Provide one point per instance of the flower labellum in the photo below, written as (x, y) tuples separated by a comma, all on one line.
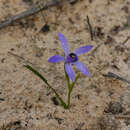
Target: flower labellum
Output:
[(71, 58)]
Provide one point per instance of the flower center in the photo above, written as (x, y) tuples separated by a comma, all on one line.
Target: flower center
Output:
[(72, 57)]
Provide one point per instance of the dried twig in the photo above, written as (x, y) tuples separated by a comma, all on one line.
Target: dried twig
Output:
[(112, 75), (125, 40), (95, 49), (90, 28), (22, 58), (122, 116), (126, 113), (31, 11), (119, 116), (25, 61)]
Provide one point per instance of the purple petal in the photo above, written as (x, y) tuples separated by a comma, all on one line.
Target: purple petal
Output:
[(64, 43), (70, 71), (83, 49), (82, 67), (56, 59)]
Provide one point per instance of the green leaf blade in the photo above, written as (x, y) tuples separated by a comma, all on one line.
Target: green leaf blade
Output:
[(45, 81), (76, 79), (36, 73)]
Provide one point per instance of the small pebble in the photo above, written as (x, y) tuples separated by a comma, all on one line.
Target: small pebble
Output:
[(54, 99), (114, 108), (45, 28)]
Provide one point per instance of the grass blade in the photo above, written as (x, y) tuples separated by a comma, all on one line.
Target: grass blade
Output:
[(45, 81), (36, 73), (76, 79)]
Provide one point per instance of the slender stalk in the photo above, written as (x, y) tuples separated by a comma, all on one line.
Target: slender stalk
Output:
[(71, 86), (69, 94)]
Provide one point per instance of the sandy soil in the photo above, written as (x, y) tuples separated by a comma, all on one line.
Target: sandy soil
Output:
[(98, 102)]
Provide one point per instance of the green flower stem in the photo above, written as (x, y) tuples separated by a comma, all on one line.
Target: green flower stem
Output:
[(69, 94), (71, 86)]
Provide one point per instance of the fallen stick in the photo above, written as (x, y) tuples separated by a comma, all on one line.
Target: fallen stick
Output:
[(123, 43), (22, 58), (32, 11), (112, 75), (90, 28), (122, 116)]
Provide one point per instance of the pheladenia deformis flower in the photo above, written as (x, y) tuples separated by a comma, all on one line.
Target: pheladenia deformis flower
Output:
[(69, 59)]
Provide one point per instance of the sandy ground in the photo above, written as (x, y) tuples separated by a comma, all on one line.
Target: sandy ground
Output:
[(98, 102)]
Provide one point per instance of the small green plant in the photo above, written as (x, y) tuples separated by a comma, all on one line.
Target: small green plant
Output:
[(69, 59)]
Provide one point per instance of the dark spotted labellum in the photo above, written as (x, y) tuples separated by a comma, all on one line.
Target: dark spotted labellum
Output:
[(71, 58)]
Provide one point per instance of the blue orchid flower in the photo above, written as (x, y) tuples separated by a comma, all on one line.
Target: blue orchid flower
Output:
[(71, 58)]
